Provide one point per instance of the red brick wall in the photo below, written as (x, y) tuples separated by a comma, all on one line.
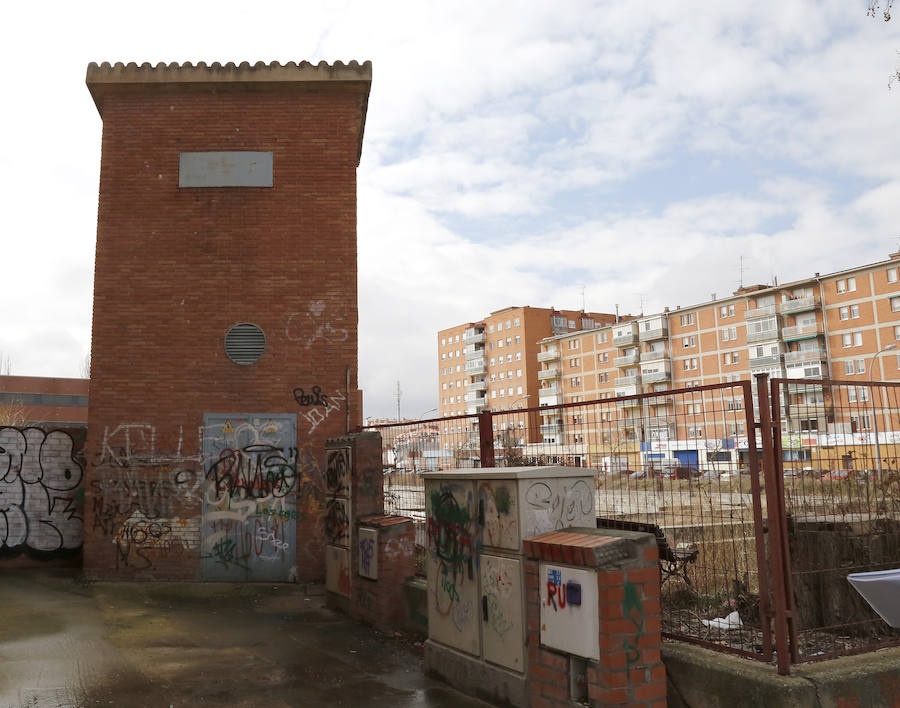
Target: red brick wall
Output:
[(176, 267), (630, 670)]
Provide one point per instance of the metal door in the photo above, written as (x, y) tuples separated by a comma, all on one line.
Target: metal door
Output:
[(249, 501), (451, 564), (501, 611)]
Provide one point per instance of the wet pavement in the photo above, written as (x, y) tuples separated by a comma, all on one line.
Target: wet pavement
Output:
[(65, 643)]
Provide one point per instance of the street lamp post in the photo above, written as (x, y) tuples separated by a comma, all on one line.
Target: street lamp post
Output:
[(874, 414)]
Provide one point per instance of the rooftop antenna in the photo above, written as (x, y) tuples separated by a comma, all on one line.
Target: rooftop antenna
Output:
[(398, 400), (741, 270), (583, 309), (642, 303), (617, 313)]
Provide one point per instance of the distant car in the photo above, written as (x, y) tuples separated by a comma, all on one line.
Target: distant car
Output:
[(838, 475)]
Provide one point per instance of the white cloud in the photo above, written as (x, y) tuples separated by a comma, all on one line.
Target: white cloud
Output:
[(493, 134)]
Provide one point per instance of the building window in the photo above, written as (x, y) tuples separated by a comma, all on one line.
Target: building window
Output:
[(854, 312), (726, 311), (895, 304), (726, 358), (840, 286), (518, 339), (602, 337), (507, 324), (857, 339), (851, 285), (516, 321), (860, 366), (848, 368), (687, 319), (844, 313), (518, 373), (574, 363), (443, 342), (892, 275), (499, 326), (518, 356), (490, 329), (897, 332), (689, 341), (509, 341), (493, 361)]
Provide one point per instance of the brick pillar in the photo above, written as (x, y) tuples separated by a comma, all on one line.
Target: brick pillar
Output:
[(385, 558), (625, 669), (354, 488)]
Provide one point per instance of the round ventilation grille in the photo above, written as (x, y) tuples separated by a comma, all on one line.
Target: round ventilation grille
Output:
[(245, 343)]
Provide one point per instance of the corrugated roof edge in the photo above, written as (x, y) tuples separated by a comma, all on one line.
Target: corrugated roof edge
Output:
[(229, 72)]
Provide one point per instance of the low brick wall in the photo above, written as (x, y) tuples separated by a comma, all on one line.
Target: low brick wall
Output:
[(626, 667), (385, 559)]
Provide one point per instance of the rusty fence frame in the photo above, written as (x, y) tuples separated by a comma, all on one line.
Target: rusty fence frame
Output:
[(772, 394), (764, 427)]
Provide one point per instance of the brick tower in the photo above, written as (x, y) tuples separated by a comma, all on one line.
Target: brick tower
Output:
[(224, 346)]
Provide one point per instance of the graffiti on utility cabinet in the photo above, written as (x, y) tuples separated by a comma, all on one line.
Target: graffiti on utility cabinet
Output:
[(248, 526), (337, 521), (40, 491), (452, 583)]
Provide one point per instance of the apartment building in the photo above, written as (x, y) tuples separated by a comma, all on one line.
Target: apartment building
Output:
[(493, 363), (829, 326)]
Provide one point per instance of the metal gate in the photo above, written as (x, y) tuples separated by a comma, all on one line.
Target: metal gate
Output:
[(249, 500)]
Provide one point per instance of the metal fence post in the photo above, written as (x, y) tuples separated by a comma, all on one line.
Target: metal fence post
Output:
[(775, 513), (765, 602), (486, 438)]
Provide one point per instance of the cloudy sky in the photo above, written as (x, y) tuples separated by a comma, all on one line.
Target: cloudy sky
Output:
[(515, 153)]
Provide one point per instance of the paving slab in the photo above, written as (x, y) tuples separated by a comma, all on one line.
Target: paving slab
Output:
[(67, 643)]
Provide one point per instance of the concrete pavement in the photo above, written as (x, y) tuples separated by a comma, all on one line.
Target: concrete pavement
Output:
[(65, 643)]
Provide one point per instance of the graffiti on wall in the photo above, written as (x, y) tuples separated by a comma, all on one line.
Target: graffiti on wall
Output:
[(249, 514), (243, 482), (332, 403), (633, 611), (40, 492), (312, 326)]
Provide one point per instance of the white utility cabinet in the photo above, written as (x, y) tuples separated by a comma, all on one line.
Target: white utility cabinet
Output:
[(476, 521)]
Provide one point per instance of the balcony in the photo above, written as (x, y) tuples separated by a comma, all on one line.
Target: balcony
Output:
[(473, 408), (472, 352), (804, 356), (629, 403), (546, 374), (551, 355), (656, 377), (764, 311), (769, 360), (627, 360), (653, 356), (800, 304), (475, 397), (763, 336), (625, 337), (660, 423), (480, 385), (472, 336), (551, 429), (790, 334), (550, 399), (627, 381), (476, 366), (550, 390), (655, 333), (627, 389)]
